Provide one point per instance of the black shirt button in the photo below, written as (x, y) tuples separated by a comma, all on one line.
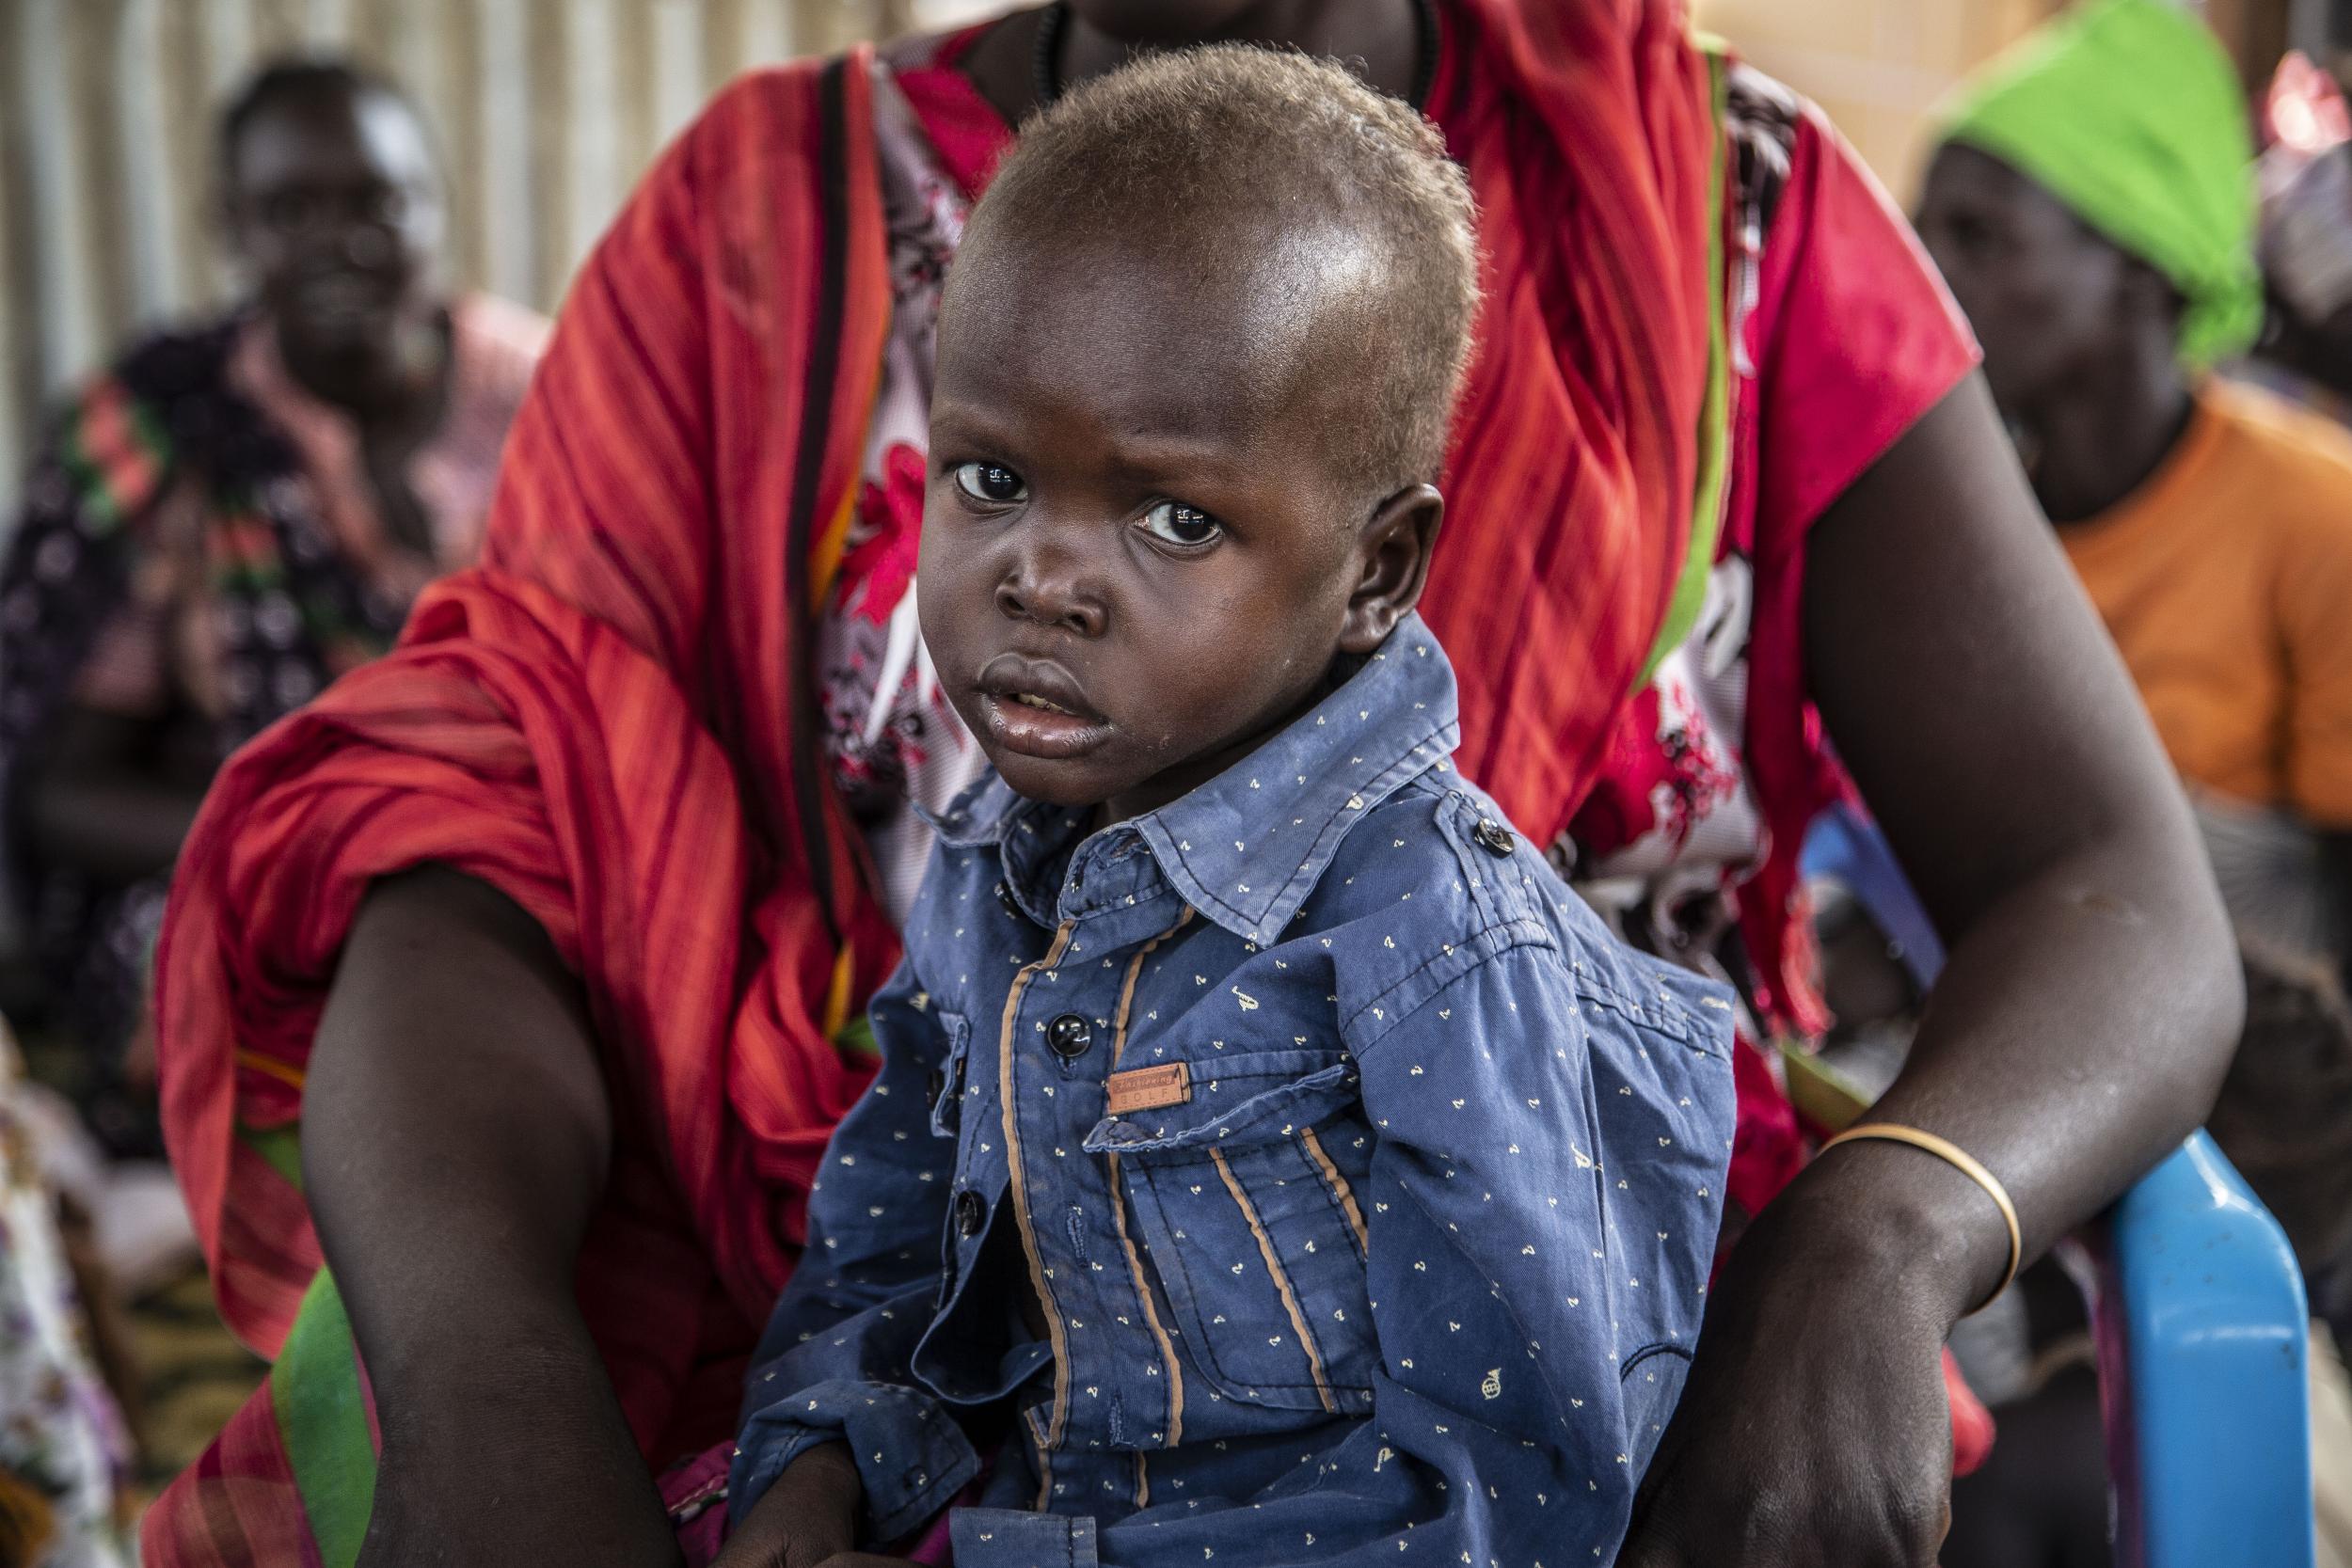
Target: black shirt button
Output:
[(970, 1213), (1494, 837), (1070, 1036)]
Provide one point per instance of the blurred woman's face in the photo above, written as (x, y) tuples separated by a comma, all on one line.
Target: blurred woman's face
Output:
[(2043, 293), (335, 206)]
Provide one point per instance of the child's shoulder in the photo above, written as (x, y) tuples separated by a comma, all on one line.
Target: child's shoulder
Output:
[(1434, 882)]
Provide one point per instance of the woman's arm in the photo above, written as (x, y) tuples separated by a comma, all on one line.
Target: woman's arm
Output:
[(2080, 1029), (97, 803), (2091, 1001), (456, 1133)]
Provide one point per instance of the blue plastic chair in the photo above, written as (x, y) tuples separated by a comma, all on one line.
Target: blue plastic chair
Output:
[(2200, 1318), (2204, 1340)]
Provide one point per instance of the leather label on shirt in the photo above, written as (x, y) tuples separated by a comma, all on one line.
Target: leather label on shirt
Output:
[(1147, 1088)]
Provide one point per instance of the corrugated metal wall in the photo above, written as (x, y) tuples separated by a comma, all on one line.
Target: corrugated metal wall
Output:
[(545, 111)]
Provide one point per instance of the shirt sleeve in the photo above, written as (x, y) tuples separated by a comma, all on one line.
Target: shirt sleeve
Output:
[(1540, 1219), (833, 1364), (1853, 335), (2314, 586)]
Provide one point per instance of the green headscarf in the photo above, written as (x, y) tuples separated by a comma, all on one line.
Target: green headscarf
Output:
[(2129, 112)]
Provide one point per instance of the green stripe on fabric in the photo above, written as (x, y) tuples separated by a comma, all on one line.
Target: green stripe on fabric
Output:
[(98, 502), (1707, 515), (148, 429), (323, 1419), (250, 576), (281, 1146), (856, 1038)]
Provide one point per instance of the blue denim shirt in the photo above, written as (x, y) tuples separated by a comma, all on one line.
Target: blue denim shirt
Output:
[(1366, 1187)]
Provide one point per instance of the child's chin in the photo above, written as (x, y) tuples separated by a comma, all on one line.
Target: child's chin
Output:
[(1068, 784)]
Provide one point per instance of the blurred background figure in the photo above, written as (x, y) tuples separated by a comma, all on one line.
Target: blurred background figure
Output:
[(233, 515), (2285, 1122), (2093, 205)]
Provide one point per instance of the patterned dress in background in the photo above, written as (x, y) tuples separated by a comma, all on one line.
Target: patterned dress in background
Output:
[(64, 1453), (200, 550)]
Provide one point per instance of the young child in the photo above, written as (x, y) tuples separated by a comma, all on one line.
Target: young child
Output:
[(1270, 1161)]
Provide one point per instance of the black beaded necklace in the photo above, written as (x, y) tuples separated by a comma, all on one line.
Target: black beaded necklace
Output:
[(1055, 22)]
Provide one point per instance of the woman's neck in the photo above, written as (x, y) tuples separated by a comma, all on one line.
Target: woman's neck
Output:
[(1381, 37), (2089, 448)]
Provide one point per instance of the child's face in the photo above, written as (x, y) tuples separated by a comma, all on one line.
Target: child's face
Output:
[(1139, 559)]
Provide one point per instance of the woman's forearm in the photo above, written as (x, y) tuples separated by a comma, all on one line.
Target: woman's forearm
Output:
[(2092, 998), (91, 806), (2079, 1031), (455, 1137)]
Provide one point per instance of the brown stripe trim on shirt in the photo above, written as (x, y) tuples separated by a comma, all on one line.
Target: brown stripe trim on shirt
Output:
[(1281, 1280), (1126, 1239), (1054, 1333), (1340, 1188), (1127, 989)]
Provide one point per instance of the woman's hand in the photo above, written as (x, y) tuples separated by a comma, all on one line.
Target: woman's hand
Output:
[(808, 1519), (1814, 1431)]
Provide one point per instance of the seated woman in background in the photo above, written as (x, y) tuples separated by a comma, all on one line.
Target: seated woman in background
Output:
[(238, 513), (2093, 207)]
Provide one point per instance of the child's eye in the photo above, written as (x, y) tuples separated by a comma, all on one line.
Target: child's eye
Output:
[(1175, 523), (992, 483)]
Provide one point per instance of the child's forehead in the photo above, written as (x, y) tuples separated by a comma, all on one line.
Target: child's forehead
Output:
[(1254, 250), (1205, 325)]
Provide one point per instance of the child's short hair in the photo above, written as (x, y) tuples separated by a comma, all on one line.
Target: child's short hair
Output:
[(2286, 1112), (1228, 129)]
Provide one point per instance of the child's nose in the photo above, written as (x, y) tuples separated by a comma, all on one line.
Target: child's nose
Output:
[(1050, 604), (1048, 587)]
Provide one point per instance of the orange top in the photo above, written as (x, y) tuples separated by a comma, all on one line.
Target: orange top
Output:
[(2227, 582)]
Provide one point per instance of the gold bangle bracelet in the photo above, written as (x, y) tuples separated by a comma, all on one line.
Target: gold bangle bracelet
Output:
[(1960, 1160)]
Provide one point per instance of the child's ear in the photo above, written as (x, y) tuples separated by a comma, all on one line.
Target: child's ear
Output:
[(1394, 551)]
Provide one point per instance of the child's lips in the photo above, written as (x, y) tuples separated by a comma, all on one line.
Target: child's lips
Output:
[(1038, 708), (1047, 731)]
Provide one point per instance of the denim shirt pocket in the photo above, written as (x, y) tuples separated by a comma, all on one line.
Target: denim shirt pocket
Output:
[(1245, 1200)]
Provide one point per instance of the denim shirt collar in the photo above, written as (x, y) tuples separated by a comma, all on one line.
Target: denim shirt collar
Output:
[(1248, 847)]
